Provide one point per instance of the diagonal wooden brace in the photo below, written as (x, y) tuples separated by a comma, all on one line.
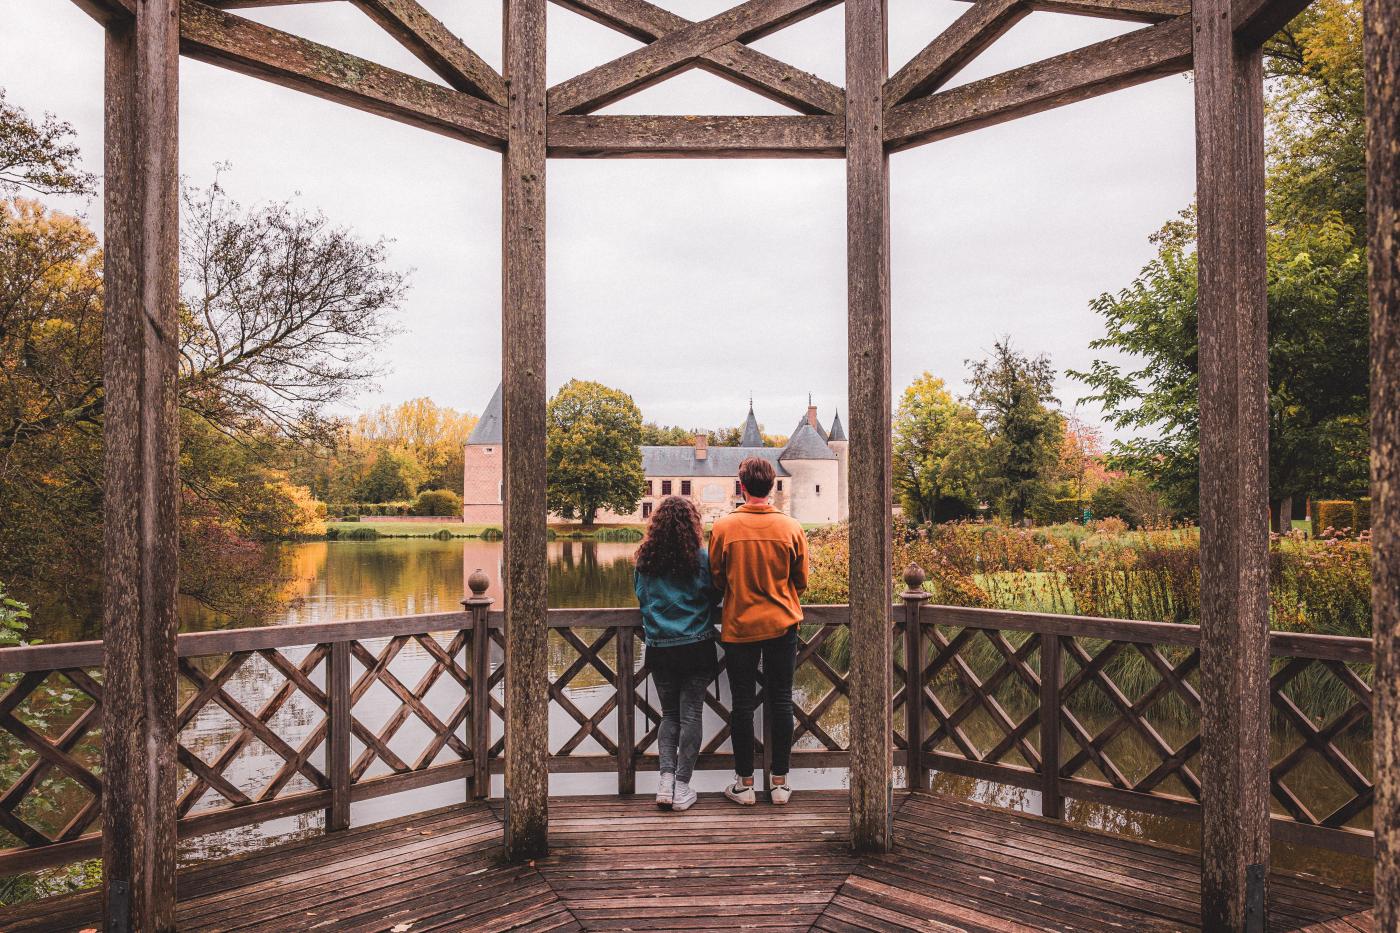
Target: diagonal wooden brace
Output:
[(746, 67), (677, 51), (434, 45)]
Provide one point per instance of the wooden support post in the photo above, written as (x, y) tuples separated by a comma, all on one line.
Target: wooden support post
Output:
[(1234, 507), (479, 666), (1051, 803), (140, 468), (914, 597), (338, 736), (1381, 20), (868, 349), (626, 710), (523, 404)]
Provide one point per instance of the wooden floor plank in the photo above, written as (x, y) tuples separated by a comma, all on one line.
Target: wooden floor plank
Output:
[(618, 863)]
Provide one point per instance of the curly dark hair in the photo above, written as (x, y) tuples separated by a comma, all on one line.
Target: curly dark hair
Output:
[(672, 545)]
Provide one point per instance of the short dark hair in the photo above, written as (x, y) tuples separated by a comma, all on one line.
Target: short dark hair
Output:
[(757, 476)]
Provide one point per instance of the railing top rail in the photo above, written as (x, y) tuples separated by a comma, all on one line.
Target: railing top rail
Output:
[(1281, 644), (200, 644)]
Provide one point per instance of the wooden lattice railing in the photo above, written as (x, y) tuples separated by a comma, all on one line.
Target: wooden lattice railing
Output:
[(287, 720)]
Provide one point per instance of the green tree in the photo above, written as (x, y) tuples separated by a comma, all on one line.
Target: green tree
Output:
[(1318, 318), (940, 450), (1013, 395), (656, 435), (593, 451), (38, 157), (394, 477)]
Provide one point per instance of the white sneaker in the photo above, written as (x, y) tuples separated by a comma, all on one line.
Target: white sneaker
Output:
[(780, 794), (685, 797), (741, 793), (666, 791)]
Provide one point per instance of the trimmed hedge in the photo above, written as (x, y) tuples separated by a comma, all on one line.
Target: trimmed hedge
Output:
[(1363, 514), (371, 509), (1333, 513)]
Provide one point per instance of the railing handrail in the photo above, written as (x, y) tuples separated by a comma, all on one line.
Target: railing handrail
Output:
[(28, 658)]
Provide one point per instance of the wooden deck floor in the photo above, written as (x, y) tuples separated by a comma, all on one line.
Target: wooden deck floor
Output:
[(618, 863)]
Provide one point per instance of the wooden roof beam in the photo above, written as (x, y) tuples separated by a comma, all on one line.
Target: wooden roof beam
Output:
[(436, 46), (239, 44), (602, 136), (953, 48), (676, 51), (736, 62), (1141, 11), (1256, 21), (1116, 63), (108, 12)]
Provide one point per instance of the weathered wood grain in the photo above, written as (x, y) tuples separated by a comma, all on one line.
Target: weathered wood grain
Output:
[(602, 136), (675, 51), (1142, 11), (141, 485), (1381, 21), (868, 349), (523, 396), (108, 12), (1233, 366), (776, 80), (436, 46), (1256, 21), (1097, 69), (953, 48), (915, 729), (338, 737), (241, 45)]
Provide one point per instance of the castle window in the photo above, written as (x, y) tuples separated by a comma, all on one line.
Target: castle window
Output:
[(665, 487), (819, 489), (646, 509), (737, 490), (780, 485), (648, 488), (685, 487)]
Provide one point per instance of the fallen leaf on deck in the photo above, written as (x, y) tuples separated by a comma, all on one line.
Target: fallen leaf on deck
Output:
[(402, 927)]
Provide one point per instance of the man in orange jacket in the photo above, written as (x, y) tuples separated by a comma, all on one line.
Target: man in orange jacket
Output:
[(758, 560)]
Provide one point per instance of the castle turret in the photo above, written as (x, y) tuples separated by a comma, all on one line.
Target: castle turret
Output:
[(753, 437), (813, 477), (836, 440), (482, 472)]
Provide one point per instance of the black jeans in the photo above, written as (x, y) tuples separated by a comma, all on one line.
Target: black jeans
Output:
[(779, 656)]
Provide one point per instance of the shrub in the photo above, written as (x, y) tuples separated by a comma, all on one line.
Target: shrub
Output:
[(492, 534), (1337, 514), (1059, 511), (619, 534), (441, 502)]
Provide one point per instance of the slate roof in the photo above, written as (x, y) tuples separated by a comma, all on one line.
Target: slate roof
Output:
[(816, 429), (753, 437), (807, 444), (837, 432), (720, 461), (488, 428)]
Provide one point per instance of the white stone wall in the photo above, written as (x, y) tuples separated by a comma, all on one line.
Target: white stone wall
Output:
[(813, 497)]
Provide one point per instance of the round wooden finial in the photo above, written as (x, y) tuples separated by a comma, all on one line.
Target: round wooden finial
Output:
[(914, 577), (478, 582)]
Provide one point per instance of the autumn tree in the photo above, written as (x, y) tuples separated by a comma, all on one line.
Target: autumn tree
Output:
[(940, 450), (432, 434), (593, 454), (1014, 396), (39, 158)]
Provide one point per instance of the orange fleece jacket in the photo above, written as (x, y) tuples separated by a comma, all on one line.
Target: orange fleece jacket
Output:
[(758, 559)]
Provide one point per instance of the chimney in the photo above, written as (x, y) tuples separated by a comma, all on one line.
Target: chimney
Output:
[(812, 415), (702, 446)]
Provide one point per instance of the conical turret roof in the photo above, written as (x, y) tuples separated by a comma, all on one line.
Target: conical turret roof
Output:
[(838, 431), (488, 428), (753, 437), (806, 444)]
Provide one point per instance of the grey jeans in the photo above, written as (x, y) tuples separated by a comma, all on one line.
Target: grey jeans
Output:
[(682, 696)]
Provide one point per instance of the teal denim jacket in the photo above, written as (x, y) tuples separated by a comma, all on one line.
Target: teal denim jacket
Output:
[(678, 612)]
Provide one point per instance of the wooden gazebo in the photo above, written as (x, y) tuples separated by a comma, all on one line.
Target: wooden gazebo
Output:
[(874, 115)]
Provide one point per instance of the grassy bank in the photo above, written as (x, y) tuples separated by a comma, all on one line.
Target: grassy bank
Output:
[(446, 529)]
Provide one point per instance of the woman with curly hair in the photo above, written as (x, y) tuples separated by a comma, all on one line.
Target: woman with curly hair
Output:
[(679, 609)]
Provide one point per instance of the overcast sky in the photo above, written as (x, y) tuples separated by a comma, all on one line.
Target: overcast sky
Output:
[(686, 283)]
